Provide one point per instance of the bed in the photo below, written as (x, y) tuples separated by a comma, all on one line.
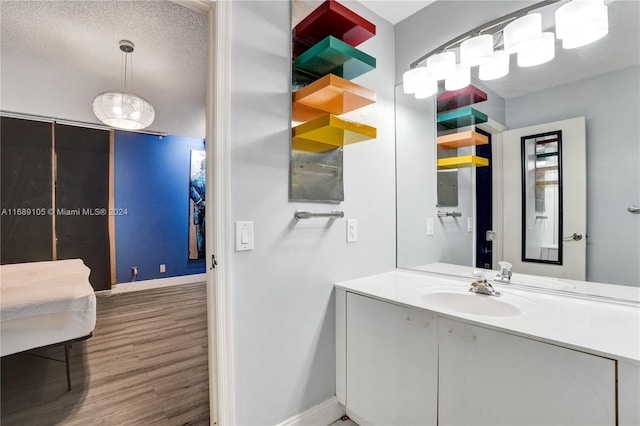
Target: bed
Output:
[(45, 304)]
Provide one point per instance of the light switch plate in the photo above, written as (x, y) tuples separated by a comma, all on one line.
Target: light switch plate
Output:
[(430, 230), (469, 224), (352, 230), (244, 236)]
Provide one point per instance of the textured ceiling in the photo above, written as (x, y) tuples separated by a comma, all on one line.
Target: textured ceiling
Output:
[(57, 55)]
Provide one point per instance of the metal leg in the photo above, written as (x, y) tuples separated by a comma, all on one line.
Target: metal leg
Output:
[(66, 360)]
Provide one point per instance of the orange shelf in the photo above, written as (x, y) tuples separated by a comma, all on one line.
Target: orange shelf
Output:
[(303, 113), (334, 95), (462, 139), (331, 130), (461, 162)]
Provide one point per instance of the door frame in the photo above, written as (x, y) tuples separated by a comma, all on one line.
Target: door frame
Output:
[(496, 129), (218, 243)]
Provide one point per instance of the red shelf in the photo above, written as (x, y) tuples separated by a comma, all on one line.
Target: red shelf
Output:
[(331, 19), (470, 95)]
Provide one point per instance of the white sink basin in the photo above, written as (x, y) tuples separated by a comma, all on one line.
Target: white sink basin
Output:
[(471, 303)]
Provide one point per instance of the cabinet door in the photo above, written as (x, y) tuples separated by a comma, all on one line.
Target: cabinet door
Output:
[(391, 363), (492, 378), (82, 182), (26, 190)]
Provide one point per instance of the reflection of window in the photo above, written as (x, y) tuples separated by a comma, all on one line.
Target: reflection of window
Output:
[(542, 209)]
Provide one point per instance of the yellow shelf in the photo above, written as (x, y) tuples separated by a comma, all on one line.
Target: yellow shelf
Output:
[(461, 162), (331, 130), (462, 139), (334, 95), (545, 183), (300, 144)]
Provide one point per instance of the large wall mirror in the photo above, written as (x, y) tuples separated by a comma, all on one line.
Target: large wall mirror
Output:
[(587, 96)]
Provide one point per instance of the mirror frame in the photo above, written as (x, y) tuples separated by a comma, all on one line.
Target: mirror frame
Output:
[(524, 166)]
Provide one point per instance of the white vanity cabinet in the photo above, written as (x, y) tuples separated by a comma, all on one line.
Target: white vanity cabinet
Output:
[(409, 366), (491, 378), (391, 363)]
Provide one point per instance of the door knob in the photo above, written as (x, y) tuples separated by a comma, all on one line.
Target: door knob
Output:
[(576, 236)]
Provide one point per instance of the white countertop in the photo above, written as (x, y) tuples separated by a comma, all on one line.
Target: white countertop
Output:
[(600, 327)]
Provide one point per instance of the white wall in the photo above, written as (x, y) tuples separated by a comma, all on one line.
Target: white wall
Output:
[(284, 327), (611, 106)]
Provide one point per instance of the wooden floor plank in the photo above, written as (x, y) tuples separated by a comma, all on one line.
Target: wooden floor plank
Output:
[(145, 364)]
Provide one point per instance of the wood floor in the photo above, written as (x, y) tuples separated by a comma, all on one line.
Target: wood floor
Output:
[(146, 364)]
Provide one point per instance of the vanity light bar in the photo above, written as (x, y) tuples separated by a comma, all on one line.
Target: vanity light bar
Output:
[(495, 26)]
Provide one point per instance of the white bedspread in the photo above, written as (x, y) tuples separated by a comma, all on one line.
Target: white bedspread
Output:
[(42, 303)]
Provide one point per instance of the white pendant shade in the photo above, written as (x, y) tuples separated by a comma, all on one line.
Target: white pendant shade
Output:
[(497, 68), (477, 50), (581, 22), (120, 109), (523, 33), (123, 110), (441, 65), (411, 78), (540, 53), (426, 87), (459, 79)]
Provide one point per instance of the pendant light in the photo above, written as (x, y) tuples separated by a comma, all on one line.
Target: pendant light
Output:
[(497, 68), (581, 22), (476, 50), (124, 110), (523, 33), (540, 53)]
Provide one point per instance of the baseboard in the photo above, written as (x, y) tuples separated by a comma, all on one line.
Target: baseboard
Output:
[(322, 414), (157, 283)]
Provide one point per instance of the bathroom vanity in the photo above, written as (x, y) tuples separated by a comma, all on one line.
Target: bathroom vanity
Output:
[(417, 348)]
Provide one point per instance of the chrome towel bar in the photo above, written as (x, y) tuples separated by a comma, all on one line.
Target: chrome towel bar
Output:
[(447, 214), (634, 209), (299, 214)]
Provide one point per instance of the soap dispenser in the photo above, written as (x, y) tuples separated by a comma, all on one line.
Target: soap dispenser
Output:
[(505, 272)]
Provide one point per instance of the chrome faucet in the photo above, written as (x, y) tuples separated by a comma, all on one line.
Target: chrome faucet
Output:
[(481, 285), (505, 273)]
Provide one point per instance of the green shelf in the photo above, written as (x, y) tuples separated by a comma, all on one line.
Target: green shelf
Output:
[(332, 56), (461, 117)]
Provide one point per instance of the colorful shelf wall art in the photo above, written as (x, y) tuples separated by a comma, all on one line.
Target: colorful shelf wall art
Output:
[(331, 18), (325, 60), (455, 112)]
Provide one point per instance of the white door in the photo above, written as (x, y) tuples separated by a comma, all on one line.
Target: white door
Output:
[(574, 200)]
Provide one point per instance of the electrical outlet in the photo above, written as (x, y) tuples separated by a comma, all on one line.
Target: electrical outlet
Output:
[(163, 268), (352, 230), (134, 271)]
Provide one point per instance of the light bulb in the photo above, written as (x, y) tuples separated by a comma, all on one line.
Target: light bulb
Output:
[(579, 23), (461, 78), (523, 33), (497, 68), (411, 77), (476, 50), (441, 65), (540, 53)]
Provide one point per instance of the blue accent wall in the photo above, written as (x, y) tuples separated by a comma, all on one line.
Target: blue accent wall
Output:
[(152, 185)]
